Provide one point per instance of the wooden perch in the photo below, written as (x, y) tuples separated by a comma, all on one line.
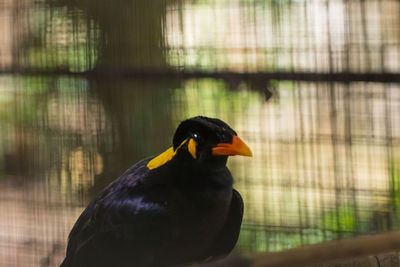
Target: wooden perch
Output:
[(366, 251), (372, 245)]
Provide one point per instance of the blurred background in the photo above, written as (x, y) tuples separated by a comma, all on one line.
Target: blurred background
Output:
[(89, 87)]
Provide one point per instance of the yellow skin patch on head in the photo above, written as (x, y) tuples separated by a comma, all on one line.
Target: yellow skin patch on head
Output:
[(161, 159), (192, 148), (164, 157)]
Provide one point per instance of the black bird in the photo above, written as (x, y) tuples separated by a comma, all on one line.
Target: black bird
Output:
[(172, 209)]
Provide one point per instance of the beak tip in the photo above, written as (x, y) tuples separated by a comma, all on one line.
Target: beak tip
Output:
[(248, 153)]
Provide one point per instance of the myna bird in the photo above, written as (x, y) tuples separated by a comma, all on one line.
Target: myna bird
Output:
[(173, 209)]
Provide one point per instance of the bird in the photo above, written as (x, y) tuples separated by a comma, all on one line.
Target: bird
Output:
[(173, 209)]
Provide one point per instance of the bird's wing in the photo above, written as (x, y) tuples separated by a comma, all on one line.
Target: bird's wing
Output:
[(109, 217), (228, 236)]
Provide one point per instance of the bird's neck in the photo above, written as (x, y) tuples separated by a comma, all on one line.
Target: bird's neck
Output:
[(204, 175)]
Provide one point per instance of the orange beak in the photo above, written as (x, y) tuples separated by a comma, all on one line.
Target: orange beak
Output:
[(237, 147)]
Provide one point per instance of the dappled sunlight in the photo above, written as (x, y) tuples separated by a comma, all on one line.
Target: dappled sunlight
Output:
[(326, 160), (305, 161), (313, 35), (80, 168)]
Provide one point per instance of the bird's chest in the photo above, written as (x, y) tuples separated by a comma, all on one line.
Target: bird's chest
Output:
[(197, 219)]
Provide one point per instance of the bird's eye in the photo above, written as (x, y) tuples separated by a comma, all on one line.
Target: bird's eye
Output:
[(198, 138)]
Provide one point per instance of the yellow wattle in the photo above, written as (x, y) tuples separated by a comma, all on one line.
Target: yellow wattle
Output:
[(164, 157), (192, 148), (161, 159)]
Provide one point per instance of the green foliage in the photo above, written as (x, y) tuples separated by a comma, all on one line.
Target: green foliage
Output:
[(23, 104), (212, 98), (395, 180), (340, 220), (68, 40), (261, 240)]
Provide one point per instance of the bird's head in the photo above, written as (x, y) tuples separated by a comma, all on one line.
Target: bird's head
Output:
[(203, 140)]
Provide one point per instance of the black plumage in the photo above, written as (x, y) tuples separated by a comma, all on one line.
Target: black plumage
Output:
[(173, 209)]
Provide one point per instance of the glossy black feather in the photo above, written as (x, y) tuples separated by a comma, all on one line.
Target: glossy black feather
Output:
[(229, 234), (181, 212)]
